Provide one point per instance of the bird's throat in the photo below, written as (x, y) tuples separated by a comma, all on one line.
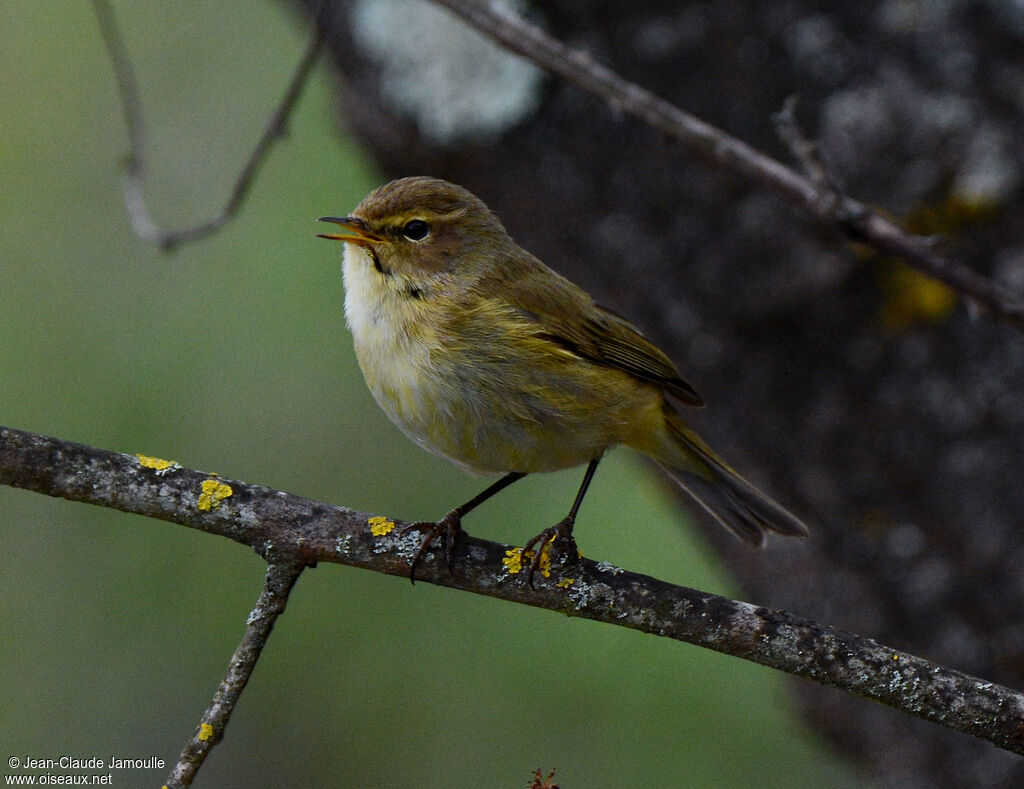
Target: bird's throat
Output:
[(381, 306)]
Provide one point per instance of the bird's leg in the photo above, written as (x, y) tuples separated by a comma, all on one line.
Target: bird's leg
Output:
[(562, 531), (451, 524)]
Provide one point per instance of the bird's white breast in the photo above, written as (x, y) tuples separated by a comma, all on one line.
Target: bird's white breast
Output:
[(393, 340)]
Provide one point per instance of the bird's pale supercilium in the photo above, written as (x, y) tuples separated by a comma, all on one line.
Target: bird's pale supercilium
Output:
[(483, 355)]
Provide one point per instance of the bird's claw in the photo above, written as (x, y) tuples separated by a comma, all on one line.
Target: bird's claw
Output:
[(556, 543), (449, 527)]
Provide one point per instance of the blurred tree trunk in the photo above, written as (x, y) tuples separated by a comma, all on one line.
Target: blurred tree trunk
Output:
[(863, 396)]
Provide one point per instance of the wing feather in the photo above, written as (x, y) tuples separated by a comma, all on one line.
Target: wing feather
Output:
[(566, 315)]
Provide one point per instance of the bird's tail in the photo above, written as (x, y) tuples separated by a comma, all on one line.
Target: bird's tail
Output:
[(725, 495)]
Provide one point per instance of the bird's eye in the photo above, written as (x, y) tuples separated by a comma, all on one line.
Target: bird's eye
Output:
[(416, 230)]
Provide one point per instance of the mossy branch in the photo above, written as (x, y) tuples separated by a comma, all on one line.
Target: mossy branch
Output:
[(291, 532)]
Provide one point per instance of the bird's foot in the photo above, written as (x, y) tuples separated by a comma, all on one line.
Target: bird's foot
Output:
[(449, 528), (553, 547)]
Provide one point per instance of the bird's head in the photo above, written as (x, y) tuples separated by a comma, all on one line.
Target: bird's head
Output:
[(416, 228)]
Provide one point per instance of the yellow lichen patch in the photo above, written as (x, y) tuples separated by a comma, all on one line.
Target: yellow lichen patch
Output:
[(514, 559), (158, 465), (565, 583), (379, 526), (213, 493), (205, 732), (544, 565)]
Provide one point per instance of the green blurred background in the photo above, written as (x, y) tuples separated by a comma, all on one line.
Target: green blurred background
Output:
[(231, 355)]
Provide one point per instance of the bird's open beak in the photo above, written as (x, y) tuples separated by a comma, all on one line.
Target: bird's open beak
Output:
[(356, 232)]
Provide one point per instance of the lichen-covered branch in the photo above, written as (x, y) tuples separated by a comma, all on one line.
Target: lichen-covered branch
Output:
[(280, 579), (293, 531), (856, 219)]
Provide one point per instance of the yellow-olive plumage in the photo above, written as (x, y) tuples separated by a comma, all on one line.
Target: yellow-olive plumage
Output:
[(485, 356)]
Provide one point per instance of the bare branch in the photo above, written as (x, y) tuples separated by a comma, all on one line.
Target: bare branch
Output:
[(856, 219), (134, 181), (805, 151), (280, 579), (294, 531)]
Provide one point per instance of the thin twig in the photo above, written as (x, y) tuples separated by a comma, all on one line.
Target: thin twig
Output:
[(805, 151), (277, 585), (134, 181), (127, 85), (826, 204), (284, 528)]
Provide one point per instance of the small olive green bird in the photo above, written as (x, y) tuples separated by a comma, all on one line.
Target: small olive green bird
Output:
[(485, 356)]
